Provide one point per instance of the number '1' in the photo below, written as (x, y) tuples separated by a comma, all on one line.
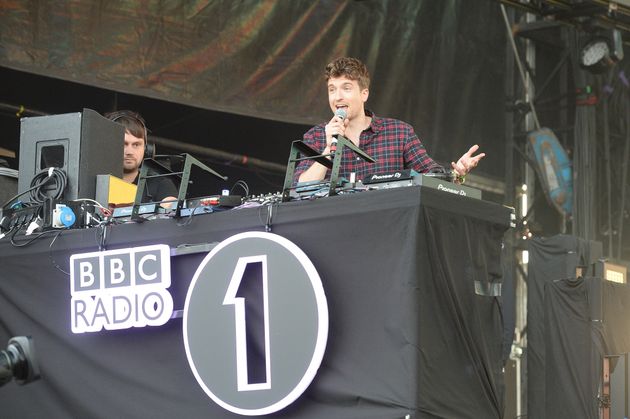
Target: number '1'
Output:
[(248, 293)]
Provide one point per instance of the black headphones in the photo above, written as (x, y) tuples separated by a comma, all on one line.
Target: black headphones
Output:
[(149, 148)]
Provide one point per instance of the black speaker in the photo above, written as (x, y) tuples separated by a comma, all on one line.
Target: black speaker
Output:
[(78, 143)]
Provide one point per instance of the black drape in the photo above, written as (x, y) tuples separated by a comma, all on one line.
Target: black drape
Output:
[(408, 333), (572, 361), (573, 322)]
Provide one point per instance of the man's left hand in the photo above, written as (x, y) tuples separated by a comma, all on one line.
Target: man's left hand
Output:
[(467, 162)]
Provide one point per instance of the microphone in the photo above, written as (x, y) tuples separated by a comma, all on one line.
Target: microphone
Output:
[(341, 114)]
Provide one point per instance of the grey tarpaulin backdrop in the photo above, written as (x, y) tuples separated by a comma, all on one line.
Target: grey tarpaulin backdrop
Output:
[(436, 64), (408, 334)]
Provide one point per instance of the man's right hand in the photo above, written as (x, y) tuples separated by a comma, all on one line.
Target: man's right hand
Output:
[(336, 126)]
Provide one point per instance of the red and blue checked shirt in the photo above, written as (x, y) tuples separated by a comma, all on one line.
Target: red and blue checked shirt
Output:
[(392, 143)]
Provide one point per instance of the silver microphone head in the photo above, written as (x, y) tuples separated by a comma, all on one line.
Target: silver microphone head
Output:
[(341, 113)]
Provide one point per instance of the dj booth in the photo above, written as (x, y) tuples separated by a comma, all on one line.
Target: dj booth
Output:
[(410, 276)]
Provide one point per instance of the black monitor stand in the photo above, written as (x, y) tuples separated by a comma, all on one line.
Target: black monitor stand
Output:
[(162, 171), (331, 161)]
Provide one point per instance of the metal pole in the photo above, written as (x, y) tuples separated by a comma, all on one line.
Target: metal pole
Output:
[(198, 150), (529, 93), (607, 164)]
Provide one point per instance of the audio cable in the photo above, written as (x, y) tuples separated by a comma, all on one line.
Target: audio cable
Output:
[(38, 195)]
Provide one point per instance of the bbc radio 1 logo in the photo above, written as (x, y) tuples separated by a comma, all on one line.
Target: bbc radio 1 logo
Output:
[(120, 289), (255, 323)]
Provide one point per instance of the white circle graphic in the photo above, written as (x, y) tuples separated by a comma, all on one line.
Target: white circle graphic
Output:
[(255, 400)]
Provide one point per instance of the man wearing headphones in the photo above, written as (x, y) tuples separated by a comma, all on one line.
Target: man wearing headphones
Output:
[(135, 151)]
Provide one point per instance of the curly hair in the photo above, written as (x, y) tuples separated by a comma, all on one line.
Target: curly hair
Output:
[(351, 68)]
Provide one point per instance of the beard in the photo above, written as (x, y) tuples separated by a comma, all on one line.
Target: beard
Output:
[(130, 166)]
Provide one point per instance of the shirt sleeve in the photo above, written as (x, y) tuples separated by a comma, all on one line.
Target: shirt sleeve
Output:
[(316, 139), (416, 156)]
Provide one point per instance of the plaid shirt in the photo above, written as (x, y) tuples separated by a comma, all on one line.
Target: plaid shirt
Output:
[(392, 143)]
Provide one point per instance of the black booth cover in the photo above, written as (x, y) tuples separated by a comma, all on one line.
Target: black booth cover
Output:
[(615, 309), (572, 323), (585, 320), (408, 334)]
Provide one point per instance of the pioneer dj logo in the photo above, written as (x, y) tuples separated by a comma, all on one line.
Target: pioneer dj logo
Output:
[(119, 289), (255, 323), (388, 176), (451, 190)]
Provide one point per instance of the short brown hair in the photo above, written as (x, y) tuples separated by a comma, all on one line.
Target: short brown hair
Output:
[(351, 68), (132, 121)]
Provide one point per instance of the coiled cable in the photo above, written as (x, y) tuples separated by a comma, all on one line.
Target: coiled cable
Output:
[(41, 183), (39, 195)]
